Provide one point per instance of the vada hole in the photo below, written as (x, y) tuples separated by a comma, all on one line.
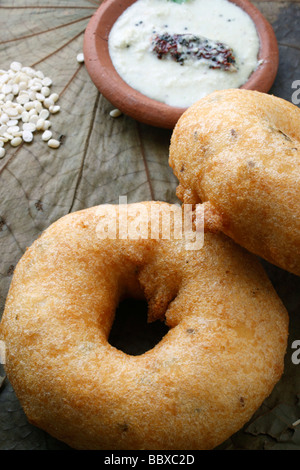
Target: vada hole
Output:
[(131, 333)]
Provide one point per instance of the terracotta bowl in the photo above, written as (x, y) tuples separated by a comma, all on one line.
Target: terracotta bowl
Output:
[(139, 106)]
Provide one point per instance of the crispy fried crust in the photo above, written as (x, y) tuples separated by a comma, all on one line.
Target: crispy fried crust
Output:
[(220, 359), (239, 150)]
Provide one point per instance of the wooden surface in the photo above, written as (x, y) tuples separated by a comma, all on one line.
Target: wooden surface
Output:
[(100, 159)]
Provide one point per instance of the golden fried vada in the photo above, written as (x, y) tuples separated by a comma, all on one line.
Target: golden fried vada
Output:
[(221, 357), (238, 152)]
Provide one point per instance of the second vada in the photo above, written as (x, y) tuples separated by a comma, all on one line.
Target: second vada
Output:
[(238, 152)]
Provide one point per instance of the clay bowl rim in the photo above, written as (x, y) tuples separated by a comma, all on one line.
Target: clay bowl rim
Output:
[(140, 107)]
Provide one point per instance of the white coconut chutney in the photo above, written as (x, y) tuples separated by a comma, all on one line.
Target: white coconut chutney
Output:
[(182, 83)]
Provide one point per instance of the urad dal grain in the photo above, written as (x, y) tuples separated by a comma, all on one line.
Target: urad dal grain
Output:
[(80, 58), (46, 136), (26, 102), (115, 113), (53, 143)]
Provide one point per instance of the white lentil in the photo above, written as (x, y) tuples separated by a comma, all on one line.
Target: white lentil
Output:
[(26, 102), (44, 114), (16, 141), (36, 87), (22, 86), (4, 78), (48, 102), (45, 90), (46, 125), (40, 124), (80, 57), (4, 118), (6, 89), (32, 112), (34, 119), (16, 66), (7, 136), (29, 105), (29, 71), (115, 113), (19, 108), (47, 81), (25, 116), (21, 77), (15, 89), (12, 122), (53, 143), (9, 97), (38, 106), (32, 95), (29, 126), (40, 74), (13, 130), (27, 136), (54, 97), (54, 109), (40, 96), (22, 99), (46, 136), (12, 112)]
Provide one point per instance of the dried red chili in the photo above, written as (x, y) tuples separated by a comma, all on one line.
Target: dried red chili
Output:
[(182, 47)]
